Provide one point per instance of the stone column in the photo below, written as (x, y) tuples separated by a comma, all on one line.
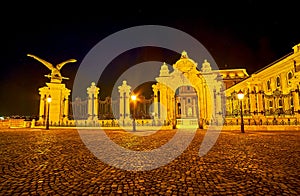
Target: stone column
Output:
[(252, 98), (207, 96), (170, 104), (163, 103), (127, 104), (93, 92), (201, 109), (66, 109), (155, 101), (183, 108), (124, 91), (219, 106), (42, 107), (57, 92), (122, 111), (229, 105), (44, 92), (260, 102), (296, 101), (194, 108)]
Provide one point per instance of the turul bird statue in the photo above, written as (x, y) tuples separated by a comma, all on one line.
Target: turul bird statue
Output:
[(55, 75)]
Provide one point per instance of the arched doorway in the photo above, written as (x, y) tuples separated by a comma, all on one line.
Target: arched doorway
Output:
[(186, 107), (186, 103), (204, 84)]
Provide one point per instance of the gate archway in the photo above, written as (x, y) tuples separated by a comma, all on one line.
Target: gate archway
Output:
[(206, 82)]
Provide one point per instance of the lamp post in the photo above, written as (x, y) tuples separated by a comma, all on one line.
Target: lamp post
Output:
[(240, 96), (133, 98), (49, 99)]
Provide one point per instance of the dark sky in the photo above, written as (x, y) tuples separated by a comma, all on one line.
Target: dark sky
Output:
[(247, 35)]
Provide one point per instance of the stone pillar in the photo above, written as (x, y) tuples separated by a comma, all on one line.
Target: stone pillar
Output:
[(124, 91), (260, 106), (183, 108), (201, 109), (229, 105), (66, 109), (127, 104), (171, 104), (163, 103), (155, 101), (57, 92), (206, 95), (121, 105), (219, 110), (194, 108), (296, 101), (252, 98), (44, 91), (93, 92), (42, 108)]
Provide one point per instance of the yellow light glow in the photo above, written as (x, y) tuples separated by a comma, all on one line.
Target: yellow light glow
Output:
[(49, 99), (133, 97), (240, 95)]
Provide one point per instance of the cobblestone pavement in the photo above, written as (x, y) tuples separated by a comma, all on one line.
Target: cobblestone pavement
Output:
[(56, 162)]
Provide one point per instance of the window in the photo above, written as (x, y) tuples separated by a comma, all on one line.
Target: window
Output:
[(278, 81), (280, 102), (270, 104), (289, 77), (269, 85)]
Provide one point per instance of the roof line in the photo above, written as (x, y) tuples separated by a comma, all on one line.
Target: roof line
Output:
[(274, 62), (269, 65)]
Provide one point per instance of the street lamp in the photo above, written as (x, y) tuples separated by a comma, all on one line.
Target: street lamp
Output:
[(49, 99), (240, 96), (133, 98)]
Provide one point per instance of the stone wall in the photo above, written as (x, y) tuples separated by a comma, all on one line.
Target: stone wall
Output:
[(14, 123)]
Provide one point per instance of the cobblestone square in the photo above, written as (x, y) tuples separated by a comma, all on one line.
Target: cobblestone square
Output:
[(57, 162)]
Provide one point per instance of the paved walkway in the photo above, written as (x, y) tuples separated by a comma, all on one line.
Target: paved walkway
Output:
[(56, 162)]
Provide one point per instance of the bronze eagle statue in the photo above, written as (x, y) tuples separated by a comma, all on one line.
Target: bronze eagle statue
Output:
[(55, 75)]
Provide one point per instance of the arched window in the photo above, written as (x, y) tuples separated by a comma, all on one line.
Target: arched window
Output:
[(278, 81), (179, 108), (189, 100), (280, 103), (289, 77), (269, 85)]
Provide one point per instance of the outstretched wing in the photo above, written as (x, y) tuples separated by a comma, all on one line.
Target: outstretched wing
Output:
[(46, 63), (60, 65)]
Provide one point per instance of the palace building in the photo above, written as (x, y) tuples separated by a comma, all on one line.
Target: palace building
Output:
[(201, 96), (271, 93)]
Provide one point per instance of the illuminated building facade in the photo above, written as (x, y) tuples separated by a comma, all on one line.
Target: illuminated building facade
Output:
[(271, 94), (203, 96)]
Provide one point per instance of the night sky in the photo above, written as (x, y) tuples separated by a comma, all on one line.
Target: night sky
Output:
[(247, 35)]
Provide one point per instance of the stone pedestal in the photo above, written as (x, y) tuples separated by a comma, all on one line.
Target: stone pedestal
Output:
[(58, 107), (93, 92)]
